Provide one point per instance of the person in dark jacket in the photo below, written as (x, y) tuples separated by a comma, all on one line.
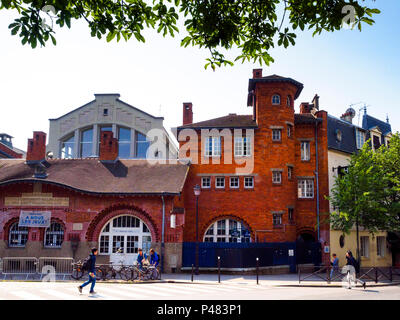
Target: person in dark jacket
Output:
[(92, 272), (351, 261)]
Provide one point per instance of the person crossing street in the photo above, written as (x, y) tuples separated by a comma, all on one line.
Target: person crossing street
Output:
[(91, 267)]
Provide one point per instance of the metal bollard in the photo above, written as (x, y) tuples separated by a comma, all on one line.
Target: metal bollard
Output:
[(328, 275), (376, 275), (192, 272), (219, 269), (257, 265)]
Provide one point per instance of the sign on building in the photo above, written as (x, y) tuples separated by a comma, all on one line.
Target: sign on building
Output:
[(38, 219)]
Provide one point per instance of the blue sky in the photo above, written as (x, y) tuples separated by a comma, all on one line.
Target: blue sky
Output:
[(344, 67)]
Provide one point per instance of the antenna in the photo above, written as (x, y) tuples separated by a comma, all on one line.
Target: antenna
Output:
[(365, 111)]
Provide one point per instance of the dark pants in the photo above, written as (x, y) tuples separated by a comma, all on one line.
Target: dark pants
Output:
[(91, 280)]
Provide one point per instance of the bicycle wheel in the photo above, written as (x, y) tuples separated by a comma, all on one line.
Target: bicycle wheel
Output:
[(125, 273), (101, 273), (77, 273), (135, 274), (155, 275)]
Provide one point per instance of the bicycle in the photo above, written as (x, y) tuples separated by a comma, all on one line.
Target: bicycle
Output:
[(78, 272), (145, 273)]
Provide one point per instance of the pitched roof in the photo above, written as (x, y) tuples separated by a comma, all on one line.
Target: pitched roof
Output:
[(370, 122), (305, 118), (229, 121), (94, 176), (276, 78), (348, 143)]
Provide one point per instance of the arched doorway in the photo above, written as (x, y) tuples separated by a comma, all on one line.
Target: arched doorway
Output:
[(122, 236)]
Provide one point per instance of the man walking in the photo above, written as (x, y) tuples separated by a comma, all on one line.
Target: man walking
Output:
[(356, 269), (334, 264), (92, 272)]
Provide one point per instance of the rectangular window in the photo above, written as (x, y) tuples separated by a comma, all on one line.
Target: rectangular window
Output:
[(289, 130), (206, 182), (289, 172), (364, 241), (142, 145), (220, 182), (306, 188), (249, 182), (104, 244), (276, 135), (276, 177), (234, 182), (380, 246), (242, 146), (221, 228), (132, 244), (124, 143), (277, 219), (377, 142), (360, 138), (305, 150), (290, 214), (212, 146)]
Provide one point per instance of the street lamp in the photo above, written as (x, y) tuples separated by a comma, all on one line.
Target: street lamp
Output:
[(197, 193)]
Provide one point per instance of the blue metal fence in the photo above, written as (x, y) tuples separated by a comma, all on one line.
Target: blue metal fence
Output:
[(243, 255)]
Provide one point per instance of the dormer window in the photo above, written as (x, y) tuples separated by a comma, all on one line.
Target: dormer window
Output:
[(276, 99), (360, 139)]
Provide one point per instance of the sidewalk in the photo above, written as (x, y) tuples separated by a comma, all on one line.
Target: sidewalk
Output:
[(286, 280)]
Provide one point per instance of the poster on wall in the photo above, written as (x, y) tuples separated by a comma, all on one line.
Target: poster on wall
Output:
[(37, 219)]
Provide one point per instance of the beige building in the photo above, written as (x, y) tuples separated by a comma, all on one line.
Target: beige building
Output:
[(345, 138), (77, 133)]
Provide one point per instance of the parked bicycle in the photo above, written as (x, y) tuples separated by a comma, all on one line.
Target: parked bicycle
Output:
[(78, 272)]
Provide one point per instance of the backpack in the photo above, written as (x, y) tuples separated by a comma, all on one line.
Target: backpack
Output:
[(356, 265), (86, 264)]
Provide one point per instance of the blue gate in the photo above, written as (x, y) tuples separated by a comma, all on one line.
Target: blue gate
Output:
[(243, 255)]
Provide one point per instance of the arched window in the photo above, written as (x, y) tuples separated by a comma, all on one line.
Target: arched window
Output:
[(227, 230), (67, 148), (276, 99), (54, 235), (289, 101), (18, 236)]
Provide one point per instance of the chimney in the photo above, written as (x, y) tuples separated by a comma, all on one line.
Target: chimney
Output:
[(36, 150), (108, 146), (305, 107), (257, 73), (347, 116), (316, 102), (187, 113)]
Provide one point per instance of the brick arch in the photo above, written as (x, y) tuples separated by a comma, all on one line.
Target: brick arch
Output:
[(53, 220), (107, 214), (306, 230), (7, 226), (203, 230)]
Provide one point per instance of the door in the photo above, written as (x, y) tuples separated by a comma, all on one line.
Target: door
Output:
[(122, 237)]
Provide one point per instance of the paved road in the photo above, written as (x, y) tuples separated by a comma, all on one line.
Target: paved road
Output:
[(183, 291)]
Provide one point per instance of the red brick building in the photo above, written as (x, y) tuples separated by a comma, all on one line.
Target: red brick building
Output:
[(103, 202), (263, 178), (281, 197)]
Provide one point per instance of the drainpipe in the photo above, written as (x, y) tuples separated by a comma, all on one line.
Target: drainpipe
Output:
[(162, 234), (316, 174)]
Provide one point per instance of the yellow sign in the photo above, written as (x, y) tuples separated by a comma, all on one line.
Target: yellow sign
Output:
[(36, 200)]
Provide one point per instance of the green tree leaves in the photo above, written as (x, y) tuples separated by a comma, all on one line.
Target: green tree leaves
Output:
[(370, 191), (253, 26)]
